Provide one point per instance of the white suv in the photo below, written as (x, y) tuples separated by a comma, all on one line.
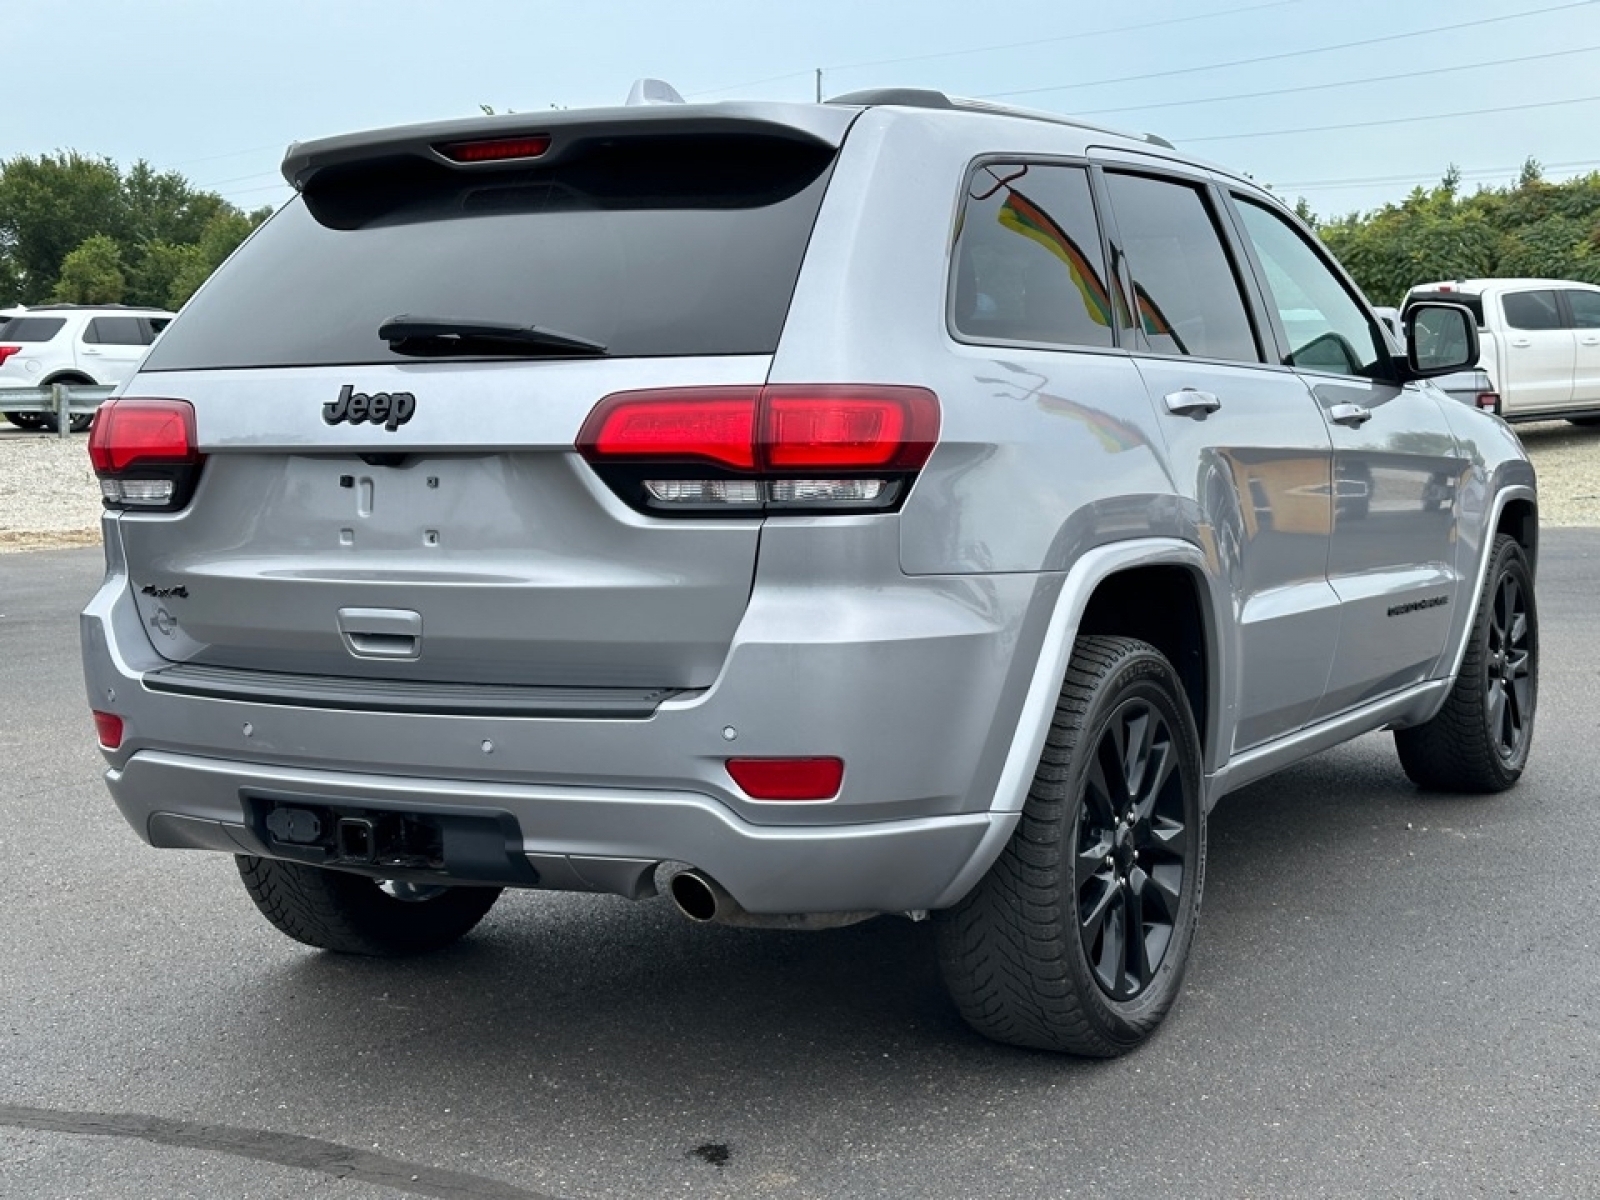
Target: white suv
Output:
[(71, 343)]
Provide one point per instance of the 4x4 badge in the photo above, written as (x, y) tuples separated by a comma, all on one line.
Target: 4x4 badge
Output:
[(389, 409)]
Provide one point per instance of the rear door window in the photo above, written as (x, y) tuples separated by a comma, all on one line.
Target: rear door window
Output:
[(1029, 263), (31, 329), (651, 245), (1532, 310), (1585, 308), (1186, 293), (115, 331)]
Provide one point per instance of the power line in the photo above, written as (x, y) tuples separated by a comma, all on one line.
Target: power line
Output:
[(1245, 62), (1470, 112), (1066, 37), (1318, 87), (1473, 173)]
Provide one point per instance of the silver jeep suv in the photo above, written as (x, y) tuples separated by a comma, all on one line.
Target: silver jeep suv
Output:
[(887, 506)]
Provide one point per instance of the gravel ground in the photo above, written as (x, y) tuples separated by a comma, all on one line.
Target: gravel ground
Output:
[(48, 495)]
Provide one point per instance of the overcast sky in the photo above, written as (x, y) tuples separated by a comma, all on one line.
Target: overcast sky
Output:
[(1349, 103)]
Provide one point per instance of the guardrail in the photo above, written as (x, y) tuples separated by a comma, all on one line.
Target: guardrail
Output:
[(61, 400)]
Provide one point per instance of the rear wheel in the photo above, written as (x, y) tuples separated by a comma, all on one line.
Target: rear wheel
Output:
[(1479, 740), (353, 914), (1078, 937), (26, 420)]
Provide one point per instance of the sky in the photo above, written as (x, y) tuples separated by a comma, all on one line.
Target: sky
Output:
[(1346, 103)]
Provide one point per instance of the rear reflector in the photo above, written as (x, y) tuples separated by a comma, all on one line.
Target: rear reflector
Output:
[(1489, 400), (495, 149), (108, 727), (788, 778), (145, 452)]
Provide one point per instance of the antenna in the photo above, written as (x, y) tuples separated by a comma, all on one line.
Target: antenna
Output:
[(653, 91)]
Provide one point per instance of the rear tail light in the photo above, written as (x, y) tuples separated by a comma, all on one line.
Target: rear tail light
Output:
[(788, 778), (7, 351), (784, 447), (108, 727), (1489, 401), (145, 453)]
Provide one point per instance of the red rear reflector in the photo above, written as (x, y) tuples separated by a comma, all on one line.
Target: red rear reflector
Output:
[(129, 431), (109, 729), (495, 149), (788, 778), (7, 351), (787, 428), (1489, 400)]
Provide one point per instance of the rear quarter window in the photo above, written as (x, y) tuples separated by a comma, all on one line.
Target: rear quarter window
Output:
[(31, 329), (1029, 265), (659, 245)]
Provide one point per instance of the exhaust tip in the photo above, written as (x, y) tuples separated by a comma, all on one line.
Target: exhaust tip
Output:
[(694, 895)]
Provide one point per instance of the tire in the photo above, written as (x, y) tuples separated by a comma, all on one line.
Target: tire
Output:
[(353, 914), (1479, 740), (26, 420), (1036, 954)]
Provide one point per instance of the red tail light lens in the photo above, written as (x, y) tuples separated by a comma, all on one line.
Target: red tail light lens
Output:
[(827, 447), (1489, 401), (108, 727), (145, 452), (7, 351), (495, 149), (788, 778), (717, 426)]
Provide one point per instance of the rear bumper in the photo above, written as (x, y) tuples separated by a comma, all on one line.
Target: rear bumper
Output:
[(916, 683), (579, 839)]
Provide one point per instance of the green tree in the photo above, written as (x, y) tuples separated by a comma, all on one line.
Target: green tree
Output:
[(92, 274), (49, 206)]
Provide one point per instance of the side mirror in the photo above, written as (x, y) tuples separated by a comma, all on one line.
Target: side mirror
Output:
[(1440, 339)]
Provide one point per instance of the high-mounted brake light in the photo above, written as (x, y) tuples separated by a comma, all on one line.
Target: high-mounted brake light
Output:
[(145, 452), (7, 351), (788, 778), (495, 149), (827, 447)]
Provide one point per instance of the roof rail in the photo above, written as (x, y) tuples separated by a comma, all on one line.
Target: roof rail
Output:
[(928, 98)]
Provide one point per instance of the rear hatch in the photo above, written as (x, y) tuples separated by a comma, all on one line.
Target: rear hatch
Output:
[(410, 507)]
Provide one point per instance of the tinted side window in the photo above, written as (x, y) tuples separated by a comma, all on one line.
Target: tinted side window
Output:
[(1585, 308), (1531, 310), (157, 324), (1028, 261), (114, 331), (1185, 289), (1326, 327), (31, 329)]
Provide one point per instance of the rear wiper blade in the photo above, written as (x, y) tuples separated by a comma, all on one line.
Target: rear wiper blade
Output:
[(407, 334)]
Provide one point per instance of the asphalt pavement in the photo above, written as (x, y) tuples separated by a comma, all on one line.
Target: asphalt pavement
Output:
[(1392, 995)]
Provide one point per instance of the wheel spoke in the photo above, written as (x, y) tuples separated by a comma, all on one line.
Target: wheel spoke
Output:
[(1137, 960), (1497, 712), (1164, 760), (1140, 731), (1519, 631), (1100, 804), (1091, 862), (1161, 888), (1093, 921)]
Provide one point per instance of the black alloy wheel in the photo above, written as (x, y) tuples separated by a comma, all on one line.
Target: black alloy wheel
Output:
[(1509, 678), (1133, 848)]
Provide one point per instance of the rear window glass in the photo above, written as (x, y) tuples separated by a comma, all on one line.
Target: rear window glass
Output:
[(652, 246), (31, 329)]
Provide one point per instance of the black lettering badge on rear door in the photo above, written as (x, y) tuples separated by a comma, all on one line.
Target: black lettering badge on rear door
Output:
[(389, 409)]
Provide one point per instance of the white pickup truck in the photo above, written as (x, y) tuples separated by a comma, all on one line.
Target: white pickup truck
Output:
[(1540, 344)]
